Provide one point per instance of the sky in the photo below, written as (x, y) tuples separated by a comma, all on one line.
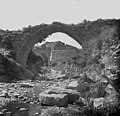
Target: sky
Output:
[(16, 14)]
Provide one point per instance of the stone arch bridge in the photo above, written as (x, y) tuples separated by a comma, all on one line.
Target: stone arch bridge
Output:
[(103, 32), (38, 36)]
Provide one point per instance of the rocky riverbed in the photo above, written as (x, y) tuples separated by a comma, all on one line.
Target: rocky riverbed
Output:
[(51, 96)]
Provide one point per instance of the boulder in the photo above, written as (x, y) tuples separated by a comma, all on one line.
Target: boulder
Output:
[(73, 95), (73, 85), (53, 99), (98, 102)]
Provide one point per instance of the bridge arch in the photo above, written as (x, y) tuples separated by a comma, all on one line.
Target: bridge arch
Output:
[(38, 36)]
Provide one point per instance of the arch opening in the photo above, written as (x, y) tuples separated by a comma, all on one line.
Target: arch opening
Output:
[(58, 36), (41, 54)]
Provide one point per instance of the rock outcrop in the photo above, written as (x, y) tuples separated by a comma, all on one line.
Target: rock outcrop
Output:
[(11, 70)]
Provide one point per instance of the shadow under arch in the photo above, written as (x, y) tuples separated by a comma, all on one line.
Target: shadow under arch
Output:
[(35, 62), (38, 36)]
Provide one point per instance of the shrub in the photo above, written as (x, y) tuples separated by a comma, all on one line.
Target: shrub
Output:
[(98, 90)]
